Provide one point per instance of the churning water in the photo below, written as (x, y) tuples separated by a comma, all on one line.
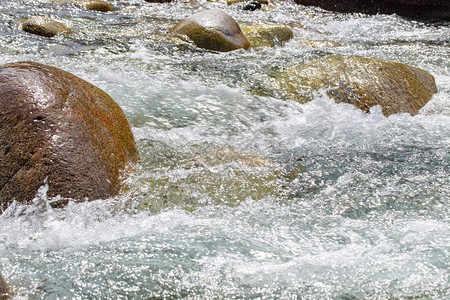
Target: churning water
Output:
[(240, 195)]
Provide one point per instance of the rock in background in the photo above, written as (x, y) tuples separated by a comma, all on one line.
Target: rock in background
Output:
[(269, 35), (422, 9), (43, 26), (101, 6)]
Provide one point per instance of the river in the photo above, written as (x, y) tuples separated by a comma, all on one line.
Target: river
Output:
[(318, 200)]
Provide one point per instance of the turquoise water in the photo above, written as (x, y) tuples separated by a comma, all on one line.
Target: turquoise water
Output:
[(340, 204)]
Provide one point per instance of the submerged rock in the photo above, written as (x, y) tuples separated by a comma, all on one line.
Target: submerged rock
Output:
[(43, 26), (227, 154), (213, 30), (96, 5), (363, 82), (268, 35), (219, 176), (428, 9), (58, 128), (318, 44)]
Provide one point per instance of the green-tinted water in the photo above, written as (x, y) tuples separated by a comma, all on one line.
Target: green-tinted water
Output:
[(240, 195)]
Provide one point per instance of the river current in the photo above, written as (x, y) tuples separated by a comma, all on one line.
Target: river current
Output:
[(241, 194)]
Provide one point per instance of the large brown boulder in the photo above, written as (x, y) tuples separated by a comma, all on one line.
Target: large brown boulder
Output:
[(213, 30), (43, 26), (363, 82), (423, 9), (59, 129)]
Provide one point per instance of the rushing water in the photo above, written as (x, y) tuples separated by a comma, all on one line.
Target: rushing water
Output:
[(318, 200)]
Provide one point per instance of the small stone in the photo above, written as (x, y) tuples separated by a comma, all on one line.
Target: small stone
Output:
[(43, 26), (101, 6), (251, 6)]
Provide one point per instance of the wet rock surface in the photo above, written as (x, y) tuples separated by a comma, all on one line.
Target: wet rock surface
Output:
[(207, 174), (58, 128), (363, 82), (212, 29), (101, 6), (43, 26), (269, 35)]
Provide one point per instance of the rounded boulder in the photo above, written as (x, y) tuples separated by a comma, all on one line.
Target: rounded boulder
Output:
[(57, 128), (363, 82), (213, 30), (43, 26)]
